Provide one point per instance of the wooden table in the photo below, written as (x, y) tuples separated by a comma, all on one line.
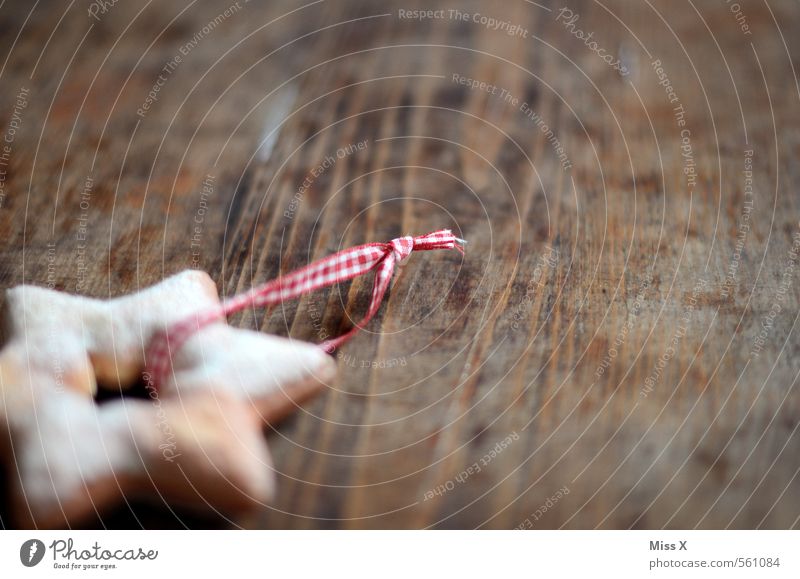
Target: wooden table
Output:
[(618, 348)]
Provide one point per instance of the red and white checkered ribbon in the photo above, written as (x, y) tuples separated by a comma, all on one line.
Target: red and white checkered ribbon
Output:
[(336, 268)]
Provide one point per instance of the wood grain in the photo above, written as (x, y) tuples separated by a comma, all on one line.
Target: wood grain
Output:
[(603, 326)]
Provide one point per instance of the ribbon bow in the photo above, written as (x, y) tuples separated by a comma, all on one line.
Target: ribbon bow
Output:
[(347, 264)]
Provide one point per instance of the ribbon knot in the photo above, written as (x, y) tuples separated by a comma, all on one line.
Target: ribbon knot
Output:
[(330, 270), (401, 247)]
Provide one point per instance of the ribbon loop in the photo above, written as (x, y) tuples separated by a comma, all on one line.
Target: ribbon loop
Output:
[(342, 266)]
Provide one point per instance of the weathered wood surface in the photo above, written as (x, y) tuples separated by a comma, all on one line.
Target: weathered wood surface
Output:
[(604, 322)]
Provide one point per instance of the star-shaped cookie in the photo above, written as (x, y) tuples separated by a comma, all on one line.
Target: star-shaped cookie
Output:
[(196, 440)]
